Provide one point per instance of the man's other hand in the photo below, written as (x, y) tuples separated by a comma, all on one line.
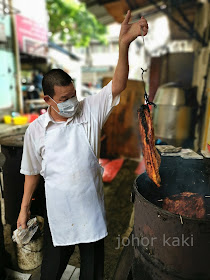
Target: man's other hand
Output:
[(23, 218), (31, 182)]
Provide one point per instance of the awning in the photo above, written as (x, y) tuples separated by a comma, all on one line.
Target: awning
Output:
[(31, 59), (34, 59), (62, 50)]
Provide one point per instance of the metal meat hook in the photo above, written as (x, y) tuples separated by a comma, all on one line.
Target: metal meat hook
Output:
[(146, 97)]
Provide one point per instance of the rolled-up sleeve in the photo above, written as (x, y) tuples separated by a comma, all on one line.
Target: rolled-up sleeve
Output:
[(31, 160), (102, 104)]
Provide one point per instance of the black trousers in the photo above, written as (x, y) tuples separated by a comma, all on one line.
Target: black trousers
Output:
[(55, 259)]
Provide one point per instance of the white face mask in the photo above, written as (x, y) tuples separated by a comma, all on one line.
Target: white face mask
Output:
[(67, 108)]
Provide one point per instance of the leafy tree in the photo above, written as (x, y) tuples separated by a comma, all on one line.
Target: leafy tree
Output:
[(74, 23)]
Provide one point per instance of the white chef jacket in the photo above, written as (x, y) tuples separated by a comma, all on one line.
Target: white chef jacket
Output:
[(94, 109)]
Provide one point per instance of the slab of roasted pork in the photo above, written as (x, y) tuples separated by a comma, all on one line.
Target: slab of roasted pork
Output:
[(187, 204), (151, 155)]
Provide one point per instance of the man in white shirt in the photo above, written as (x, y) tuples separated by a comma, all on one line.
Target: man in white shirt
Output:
[(63, 146)]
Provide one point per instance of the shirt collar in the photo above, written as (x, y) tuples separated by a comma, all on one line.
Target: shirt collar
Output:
[(48, 118)]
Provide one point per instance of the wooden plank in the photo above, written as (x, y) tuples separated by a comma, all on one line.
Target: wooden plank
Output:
[(121, 129), (68, 272), (76, 274), (117, 9)]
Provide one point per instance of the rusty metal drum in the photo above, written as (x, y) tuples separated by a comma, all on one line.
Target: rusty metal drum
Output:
[(168, 246), (12, 148)]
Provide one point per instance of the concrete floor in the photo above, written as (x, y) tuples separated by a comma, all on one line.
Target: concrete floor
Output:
[(71, 273)]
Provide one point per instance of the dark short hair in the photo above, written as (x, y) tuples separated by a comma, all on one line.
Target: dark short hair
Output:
[(55, 77)]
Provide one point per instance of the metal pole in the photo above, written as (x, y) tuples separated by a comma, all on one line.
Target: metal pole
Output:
[(3, 219), (17, 62)]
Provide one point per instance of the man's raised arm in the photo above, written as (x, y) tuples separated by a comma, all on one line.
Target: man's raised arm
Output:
[(128, 33)]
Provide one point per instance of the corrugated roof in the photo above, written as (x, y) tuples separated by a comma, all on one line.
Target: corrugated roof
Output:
[(109, 11), (180, 12), (99, 11)]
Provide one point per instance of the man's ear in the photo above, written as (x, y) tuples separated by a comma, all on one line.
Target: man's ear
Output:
[(47, 99)]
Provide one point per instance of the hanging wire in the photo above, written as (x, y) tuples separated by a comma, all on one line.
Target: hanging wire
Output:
[(146, 96)]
